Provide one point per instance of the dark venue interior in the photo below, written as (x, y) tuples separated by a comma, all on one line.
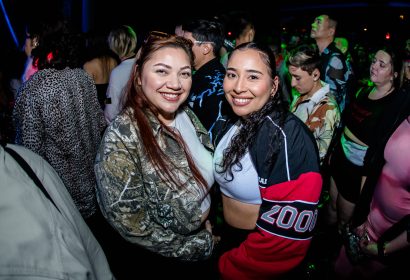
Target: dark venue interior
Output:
[(379, 18), (368, 24)]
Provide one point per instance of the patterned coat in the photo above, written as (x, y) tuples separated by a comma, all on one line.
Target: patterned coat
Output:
[(321, 114), (137, 201), (57, 115), (338, 74)]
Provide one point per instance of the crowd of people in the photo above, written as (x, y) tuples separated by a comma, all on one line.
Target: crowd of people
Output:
[(203, 155)]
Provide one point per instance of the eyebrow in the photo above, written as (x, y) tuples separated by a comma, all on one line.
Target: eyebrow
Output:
[(381, 60), (162, 64), (254, 71), (169, 67), (248, 71)]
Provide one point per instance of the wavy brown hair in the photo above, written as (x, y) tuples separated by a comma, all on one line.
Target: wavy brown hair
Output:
[(136, 99)]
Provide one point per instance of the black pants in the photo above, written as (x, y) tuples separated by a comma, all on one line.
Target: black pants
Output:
[(129, 261)]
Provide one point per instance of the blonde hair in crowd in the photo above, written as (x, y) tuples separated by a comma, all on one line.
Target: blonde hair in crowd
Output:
[(123, 41)]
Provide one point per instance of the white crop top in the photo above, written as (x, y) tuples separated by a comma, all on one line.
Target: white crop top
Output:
[(244, 186), (200, 155)]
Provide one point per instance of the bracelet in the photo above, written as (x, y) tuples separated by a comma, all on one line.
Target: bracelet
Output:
[(381, 249)]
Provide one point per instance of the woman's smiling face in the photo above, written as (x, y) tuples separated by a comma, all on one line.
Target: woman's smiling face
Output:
[(248, 84), (166, 80)]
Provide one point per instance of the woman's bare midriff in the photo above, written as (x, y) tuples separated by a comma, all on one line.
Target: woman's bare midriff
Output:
[(238, 214), (353, 137)]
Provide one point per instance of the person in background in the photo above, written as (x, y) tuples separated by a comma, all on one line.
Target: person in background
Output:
[(31, 42), (239, 28), (36, 30), (361, 58), (405, 71), (39, 240), (7, 133), (207, 98), (123, 42), (381, 218), (407, 47), (154, 166), (335, 70), (178, 30), (342, 44), (57, 115), (288, 43), (99, 62), (362, 118), (267, 165), (314, 105)]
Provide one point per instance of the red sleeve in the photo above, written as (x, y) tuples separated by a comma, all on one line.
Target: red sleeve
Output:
[(284, 231)]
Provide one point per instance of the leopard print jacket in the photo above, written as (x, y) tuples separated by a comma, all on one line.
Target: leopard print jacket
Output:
[(57, 115)]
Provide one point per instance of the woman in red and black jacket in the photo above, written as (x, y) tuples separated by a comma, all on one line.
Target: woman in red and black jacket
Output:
[(267, 166)]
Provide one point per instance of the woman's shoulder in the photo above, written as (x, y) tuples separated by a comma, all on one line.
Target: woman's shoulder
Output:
[(77, 77), (47, 81), (285, 123), (124, 118), (201, 131), (122, 124), (221, 127), (194, 118), (278, 119), (188, 111), (329, 99), (42, 75), (364, 91), (93, 68)]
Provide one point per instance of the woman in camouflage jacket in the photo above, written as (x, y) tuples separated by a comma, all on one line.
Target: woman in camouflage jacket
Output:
[(152, 188)]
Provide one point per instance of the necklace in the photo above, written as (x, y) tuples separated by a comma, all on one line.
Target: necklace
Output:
[(375, 95)]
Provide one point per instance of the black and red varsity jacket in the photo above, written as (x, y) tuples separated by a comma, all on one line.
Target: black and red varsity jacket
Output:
[(287, 163)]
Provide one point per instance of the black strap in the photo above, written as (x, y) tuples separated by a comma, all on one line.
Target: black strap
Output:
[(395, 230), (30, 173)]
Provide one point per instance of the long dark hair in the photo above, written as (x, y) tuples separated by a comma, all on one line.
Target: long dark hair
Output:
[(59, 48), (136, 100), (250, 125)]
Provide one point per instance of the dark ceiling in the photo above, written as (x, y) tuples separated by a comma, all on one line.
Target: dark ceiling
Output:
[(378, 17)]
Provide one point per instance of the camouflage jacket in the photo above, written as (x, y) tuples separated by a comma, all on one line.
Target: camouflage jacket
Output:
[(139, 204)]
